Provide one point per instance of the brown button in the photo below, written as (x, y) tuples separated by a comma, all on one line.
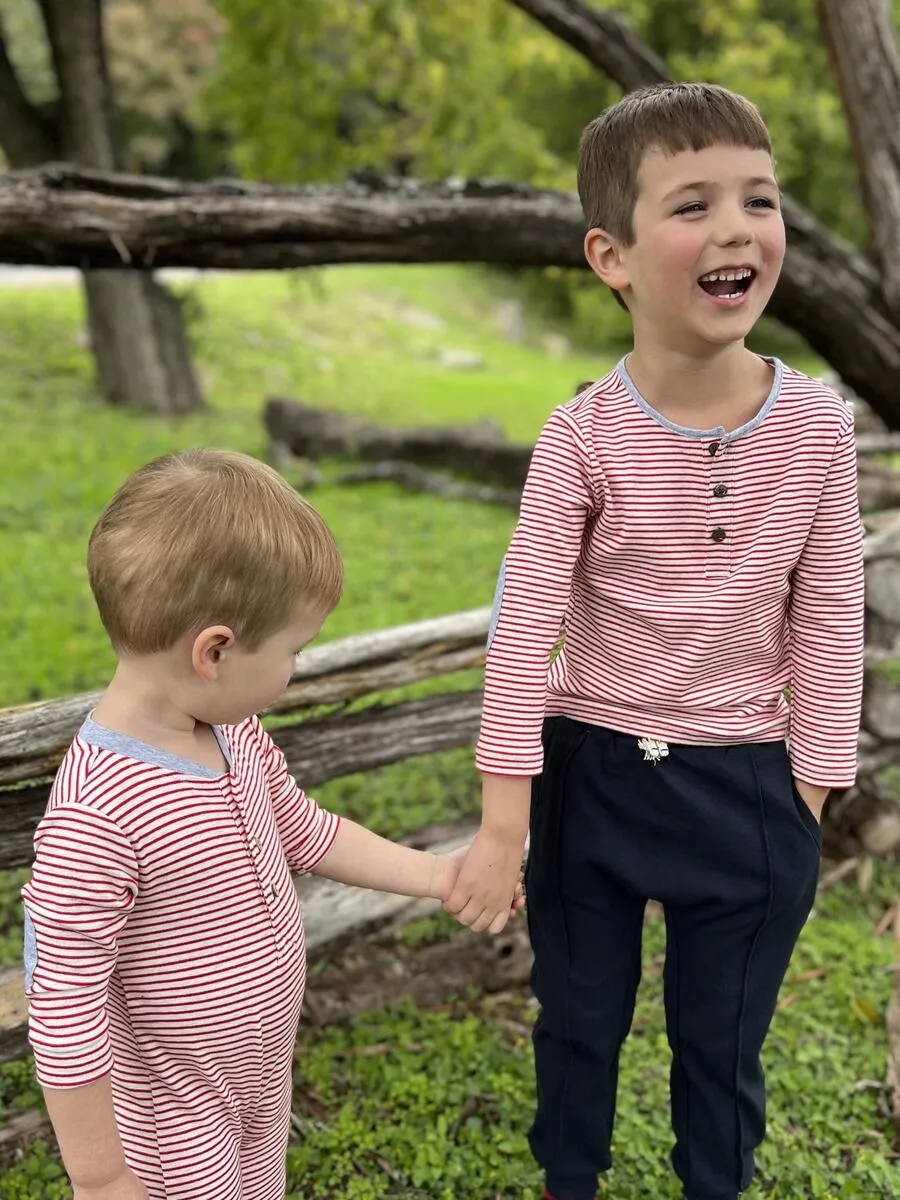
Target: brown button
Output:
[(720, 490), (713, 448), (718, 534)]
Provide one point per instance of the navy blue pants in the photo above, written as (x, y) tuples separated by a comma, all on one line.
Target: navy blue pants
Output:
[(720, 836)]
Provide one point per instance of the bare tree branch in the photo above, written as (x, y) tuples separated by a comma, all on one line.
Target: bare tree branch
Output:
[(64, 216), (601, 37)]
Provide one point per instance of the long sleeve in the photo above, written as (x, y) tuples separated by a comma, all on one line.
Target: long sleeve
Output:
[(826, 631), (305, 829), (83, 885), (557, 501)]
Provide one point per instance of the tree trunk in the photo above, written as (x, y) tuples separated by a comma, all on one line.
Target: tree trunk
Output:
[(136, 329), (863, 48)]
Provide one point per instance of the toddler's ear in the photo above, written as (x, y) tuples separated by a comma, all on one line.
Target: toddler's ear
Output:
[(208, 649)]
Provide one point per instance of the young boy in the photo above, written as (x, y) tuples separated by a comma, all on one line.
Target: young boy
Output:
[(692, 521), (165, 958)]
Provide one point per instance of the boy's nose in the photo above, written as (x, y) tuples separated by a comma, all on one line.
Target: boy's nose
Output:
[(734, 229)]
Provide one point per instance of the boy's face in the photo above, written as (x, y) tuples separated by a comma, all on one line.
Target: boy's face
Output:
[(699, 216)]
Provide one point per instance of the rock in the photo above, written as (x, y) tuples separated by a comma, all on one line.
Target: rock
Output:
[(461, 360), (881, 707), (511, 320), (556, 344), (880, 835), (421, 318)]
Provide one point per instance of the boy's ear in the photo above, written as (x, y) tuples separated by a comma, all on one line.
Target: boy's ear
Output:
[(207, 650), (604, 257)]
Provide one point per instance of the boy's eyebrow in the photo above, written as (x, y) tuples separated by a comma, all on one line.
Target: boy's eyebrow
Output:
[(700, 185)]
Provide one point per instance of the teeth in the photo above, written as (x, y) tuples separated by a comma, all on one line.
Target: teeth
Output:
[(730, 276)]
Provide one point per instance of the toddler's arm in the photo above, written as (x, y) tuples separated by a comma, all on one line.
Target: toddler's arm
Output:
[(359, 857), (82, 887), (85, 1126)]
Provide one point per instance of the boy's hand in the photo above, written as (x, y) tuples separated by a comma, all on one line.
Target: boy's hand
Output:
[(447, 870), (125, 1186), (813, 797), (488, 890)]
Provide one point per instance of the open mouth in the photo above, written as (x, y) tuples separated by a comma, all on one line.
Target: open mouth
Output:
[(728, 285)]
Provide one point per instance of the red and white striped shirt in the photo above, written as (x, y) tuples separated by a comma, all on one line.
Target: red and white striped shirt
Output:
[(166, 946), (698, 573)]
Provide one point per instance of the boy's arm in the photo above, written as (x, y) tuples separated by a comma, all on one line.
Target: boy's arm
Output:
[(558, 499), (83, 885), (826, 622)]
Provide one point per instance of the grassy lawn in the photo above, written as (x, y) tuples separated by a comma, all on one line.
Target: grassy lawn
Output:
[(402, 1103)]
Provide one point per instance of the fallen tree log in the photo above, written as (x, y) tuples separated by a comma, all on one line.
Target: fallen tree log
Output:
[(830, 293), (478, 451), (414, 479)]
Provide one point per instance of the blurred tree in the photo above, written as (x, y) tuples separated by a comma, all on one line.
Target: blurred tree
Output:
[(159, 54), (137, 333)]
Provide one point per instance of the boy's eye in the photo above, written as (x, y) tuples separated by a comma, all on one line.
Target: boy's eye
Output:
[(691, 208), (762, 202)]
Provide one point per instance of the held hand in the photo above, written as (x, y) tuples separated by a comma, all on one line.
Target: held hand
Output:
[(813, 797), (447, 868), (126, 1186), (488, 890)]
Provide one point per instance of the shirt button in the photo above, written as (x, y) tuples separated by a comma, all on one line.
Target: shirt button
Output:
[(274, 891), (713, 448), (720, 490), (718, 534)]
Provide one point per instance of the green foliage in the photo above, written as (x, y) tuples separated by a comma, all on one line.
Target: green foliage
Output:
[(38, 1177), (159, 52), (311, 94)]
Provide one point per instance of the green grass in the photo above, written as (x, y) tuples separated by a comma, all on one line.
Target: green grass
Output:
[(441, 1107)]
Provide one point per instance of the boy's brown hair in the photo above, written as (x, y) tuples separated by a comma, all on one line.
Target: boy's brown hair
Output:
[(671, 117), (208, 537)]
